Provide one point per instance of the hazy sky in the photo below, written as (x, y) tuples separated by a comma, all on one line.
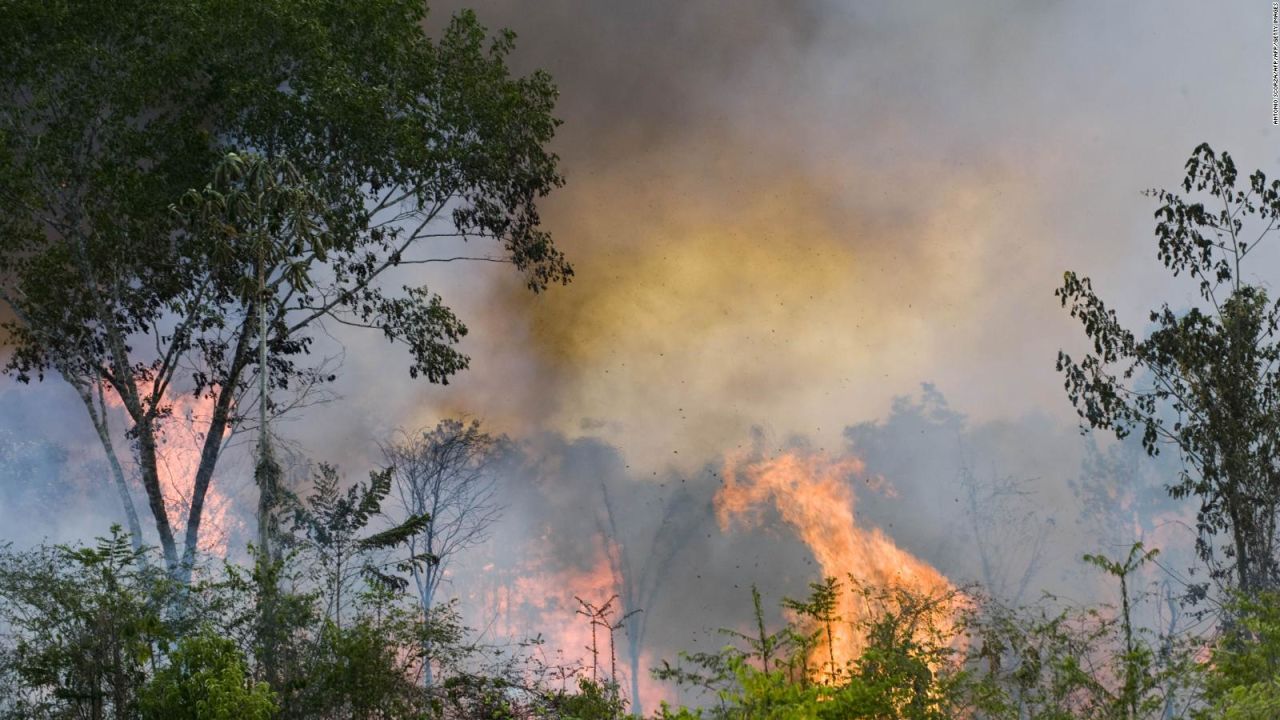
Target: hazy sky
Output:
[(787, 213), (784, 214)]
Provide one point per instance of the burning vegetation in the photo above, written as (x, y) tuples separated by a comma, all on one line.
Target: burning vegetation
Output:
[(813, 495), (201, 201)]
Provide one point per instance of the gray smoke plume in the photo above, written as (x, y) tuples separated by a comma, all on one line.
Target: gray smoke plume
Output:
[(785, 215)]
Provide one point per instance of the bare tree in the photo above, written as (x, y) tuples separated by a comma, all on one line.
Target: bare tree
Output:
[(446, 474), (1010, 535), (680, 515), (601, 617)]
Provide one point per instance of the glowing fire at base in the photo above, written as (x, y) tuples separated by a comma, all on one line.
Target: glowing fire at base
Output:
[(812, 494), (534, 597), (180, 441)]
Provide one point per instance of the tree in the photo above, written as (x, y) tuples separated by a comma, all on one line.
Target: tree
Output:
[(264, 209), (1137, 659), (679, 518), (909, 668), (1205, 380), (205, 680), (82, 625), (1010, 539), (1241, 679), (820, 610), (109, 115), (332, 529), (86, 635), (446, 475)]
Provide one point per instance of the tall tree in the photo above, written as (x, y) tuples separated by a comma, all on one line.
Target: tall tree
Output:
[(264, 209), (110, 113), (1205, 380), (446, 475), (1010, 537)]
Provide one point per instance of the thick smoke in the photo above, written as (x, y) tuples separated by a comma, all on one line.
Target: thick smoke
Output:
[(786, 215), (54, 481), (789, 213)]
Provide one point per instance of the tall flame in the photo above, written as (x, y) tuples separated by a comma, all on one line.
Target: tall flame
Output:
[(812, 494), (179, 444)]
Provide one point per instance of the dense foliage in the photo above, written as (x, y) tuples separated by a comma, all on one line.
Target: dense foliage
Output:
[(103, 632), (96, 632), (145, 252)]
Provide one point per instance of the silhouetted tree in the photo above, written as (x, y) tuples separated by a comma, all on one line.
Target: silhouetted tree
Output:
[(1205, 380), (445, 475)]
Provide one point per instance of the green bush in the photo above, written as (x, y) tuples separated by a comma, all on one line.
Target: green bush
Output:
[(1243, 677), (205, 680)]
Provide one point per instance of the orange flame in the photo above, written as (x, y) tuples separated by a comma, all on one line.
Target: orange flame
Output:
[(529, 599), (812, 494), (178, 446)]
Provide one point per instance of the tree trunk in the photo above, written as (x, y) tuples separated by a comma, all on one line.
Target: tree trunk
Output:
[(1239, 535), (149, 465), (98, 415), (126, 386), (211, 450), (209, 454)]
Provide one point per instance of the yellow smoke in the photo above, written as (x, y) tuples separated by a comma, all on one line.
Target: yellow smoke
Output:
[(705, 304)]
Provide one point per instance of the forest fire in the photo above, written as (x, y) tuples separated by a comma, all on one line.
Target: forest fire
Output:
[(570, 610), (609, 360), (812, 494), (179, 446)]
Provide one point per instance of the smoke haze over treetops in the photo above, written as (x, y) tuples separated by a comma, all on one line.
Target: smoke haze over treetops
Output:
[(783, 215), (787, 213)]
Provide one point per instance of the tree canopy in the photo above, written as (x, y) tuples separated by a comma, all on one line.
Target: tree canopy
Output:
[(1205, 380), (111, 114)]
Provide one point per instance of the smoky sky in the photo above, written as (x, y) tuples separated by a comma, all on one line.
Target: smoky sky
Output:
[(789, 213), (785, 217)]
